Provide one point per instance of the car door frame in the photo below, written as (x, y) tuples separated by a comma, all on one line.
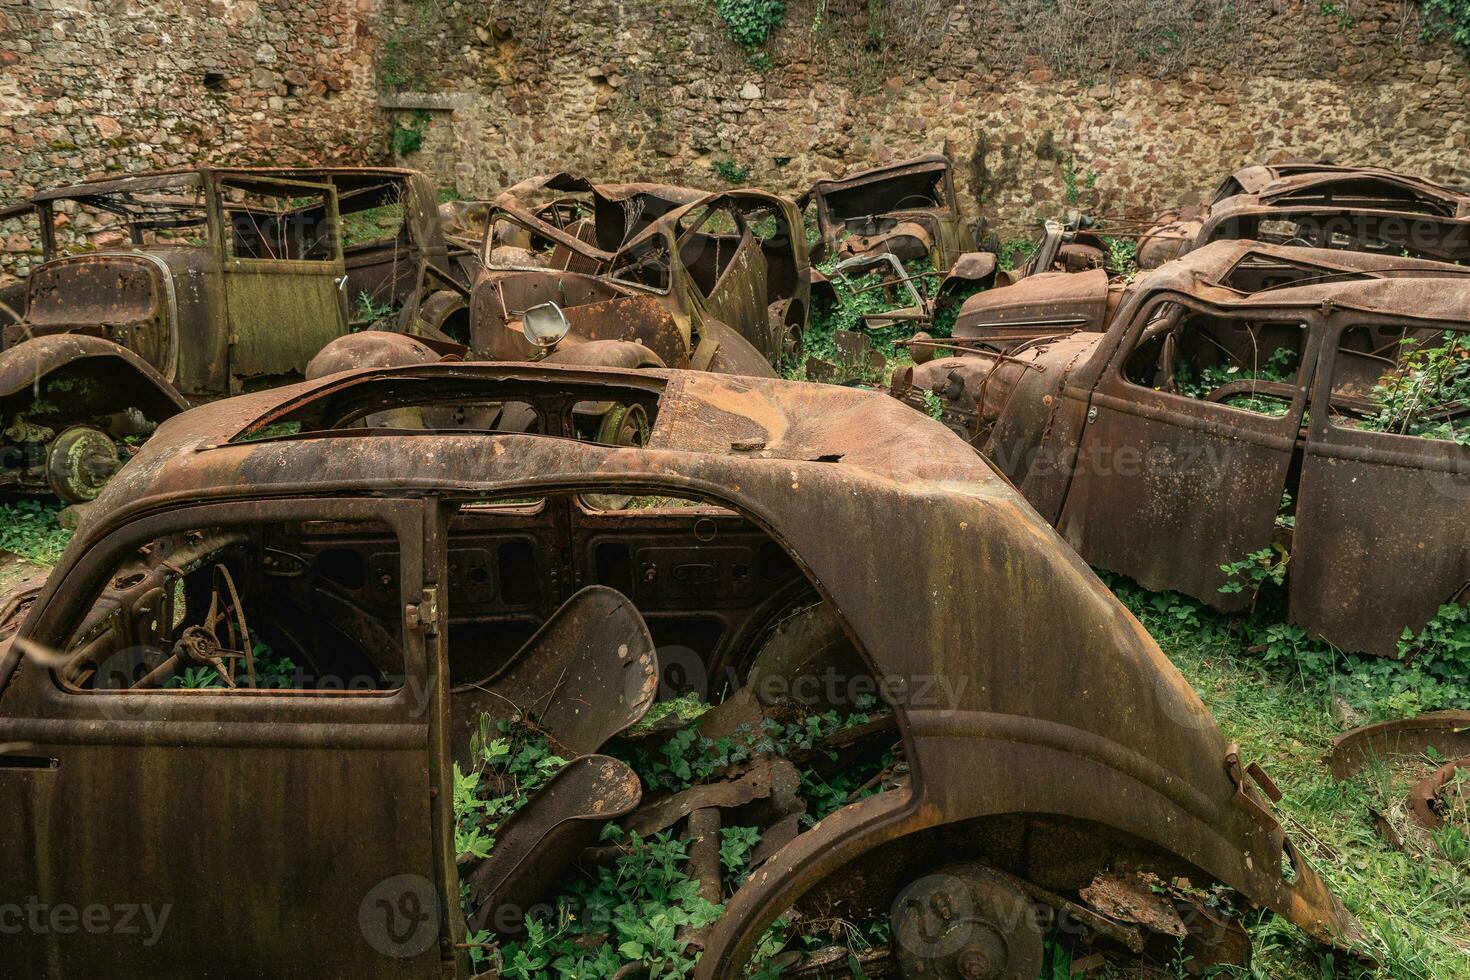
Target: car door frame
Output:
[(1113, 506), (251, 325), (61, 726), (1380, 541)]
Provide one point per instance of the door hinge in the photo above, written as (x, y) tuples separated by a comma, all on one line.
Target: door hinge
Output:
[(1092, 415), (423, 616)]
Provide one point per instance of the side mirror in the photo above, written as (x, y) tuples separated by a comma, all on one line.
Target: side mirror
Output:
[(545, 325)]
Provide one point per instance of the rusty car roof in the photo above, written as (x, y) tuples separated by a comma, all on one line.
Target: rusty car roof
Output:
[(1270, 188), (699, 413), (929, 161), (1365, 281)]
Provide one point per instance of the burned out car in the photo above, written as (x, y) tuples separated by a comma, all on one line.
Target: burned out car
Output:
[(166, 289), (1245, 398), (393, 687), (639, 275), (1321, 206), (907, 209)]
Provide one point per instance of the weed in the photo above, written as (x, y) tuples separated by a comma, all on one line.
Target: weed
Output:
[(1338, 11), (933, 405), (408, 136), (1014, 253), (736, 843), (1070, 181), (1281, 711), (856, 299), (28, 528), (1452, 16), (369, 310), (1122, 257), (1421, 397), (1280, 367), (642, 904), (730, 172)]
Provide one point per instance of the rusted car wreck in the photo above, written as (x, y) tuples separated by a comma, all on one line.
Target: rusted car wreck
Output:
[(286, 624), (635, 275), (906, 210), (196, 284), (1243, 396), (1320, 206)]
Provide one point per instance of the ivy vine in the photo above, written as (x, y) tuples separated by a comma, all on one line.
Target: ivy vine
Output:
[(1449, 16), (751, 21)]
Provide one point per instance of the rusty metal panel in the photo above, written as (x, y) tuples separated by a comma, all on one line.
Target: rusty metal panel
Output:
[(337, 792), (281, 313), (636, 317), (1046, 304), (128, 299), (1047, 673), (1166, 489), (1381, 535), (739, 296)]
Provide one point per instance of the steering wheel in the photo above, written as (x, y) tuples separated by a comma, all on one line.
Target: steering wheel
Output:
[(924, 200), (203, 645)]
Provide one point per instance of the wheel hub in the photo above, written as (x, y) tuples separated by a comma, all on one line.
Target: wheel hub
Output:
[(79, 462), (966, 922)]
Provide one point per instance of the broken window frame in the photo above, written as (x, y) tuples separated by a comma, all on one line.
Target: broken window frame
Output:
[(330, 225), (1137, 336), (709, 504), (134, 214), (1323, 392), (57, 622)]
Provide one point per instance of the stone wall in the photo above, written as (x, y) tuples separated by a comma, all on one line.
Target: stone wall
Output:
[(97, 87), (1126, 106)]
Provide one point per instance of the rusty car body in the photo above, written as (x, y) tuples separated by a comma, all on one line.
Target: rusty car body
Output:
[(907, 209), (644, 274), (207, 282), (1036, 735), (1320, 206), (1161, 449), (1040, 305)]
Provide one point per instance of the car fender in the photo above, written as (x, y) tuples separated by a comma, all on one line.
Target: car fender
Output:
[(860, 828), (27, 363)]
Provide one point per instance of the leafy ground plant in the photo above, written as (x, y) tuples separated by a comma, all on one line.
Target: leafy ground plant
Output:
[(28, 528), (1283, 707), (859, 297)]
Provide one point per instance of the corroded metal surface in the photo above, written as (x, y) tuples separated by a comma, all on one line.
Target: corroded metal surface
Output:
[(1026, 665), (1317, 205), (717, 282), (1447, 732), (589, 672), (212, 281), (1167, 488), (905, 208)]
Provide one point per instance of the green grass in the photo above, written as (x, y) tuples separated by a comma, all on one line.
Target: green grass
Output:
[(1415, 909), (28, 528)]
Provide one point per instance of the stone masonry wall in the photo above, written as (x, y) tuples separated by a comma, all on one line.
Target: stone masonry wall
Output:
[(98, 87), (1126, 106)]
